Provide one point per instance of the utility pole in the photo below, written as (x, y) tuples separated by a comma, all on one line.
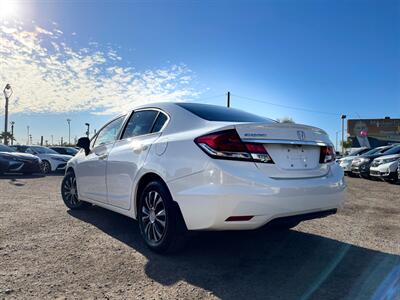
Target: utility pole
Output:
[(27, 141), (69, 131), (7, 94), (12, 132), (337, 133), (62, 142), (30, 139), (88, 129), (343, 117), (52, 140), (228, 100)]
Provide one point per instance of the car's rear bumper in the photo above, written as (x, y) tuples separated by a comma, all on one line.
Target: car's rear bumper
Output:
[(207, 199)]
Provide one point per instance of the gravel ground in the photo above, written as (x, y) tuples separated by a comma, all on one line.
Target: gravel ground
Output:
[(47, 251)]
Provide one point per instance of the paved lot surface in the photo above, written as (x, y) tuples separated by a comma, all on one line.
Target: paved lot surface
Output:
[(47, 251)]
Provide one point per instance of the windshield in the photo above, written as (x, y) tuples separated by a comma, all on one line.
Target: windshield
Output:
[(394, 150), (71, 151), (43, 150), (358, 151), (222, 114), (374, 151), (4, 148)]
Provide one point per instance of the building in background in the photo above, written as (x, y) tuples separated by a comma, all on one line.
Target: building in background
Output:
[(373, 132)]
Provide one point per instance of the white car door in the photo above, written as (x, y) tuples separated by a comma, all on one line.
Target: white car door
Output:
[(91, 169), (130, 152)]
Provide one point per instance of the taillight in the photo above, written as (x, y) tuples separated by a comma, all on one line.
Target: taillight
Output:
[(327, 154), (228, 145)]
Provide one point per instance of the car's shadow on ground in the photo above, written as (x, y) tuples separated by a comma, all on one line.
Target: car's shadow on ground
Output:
[(263, 265)]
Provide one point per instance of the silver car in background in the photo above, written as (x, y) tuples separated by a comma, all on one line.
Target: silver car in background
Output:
[(51, 160)]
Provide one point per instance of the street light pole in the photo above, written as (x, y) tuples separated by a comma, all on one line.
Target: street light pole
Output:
[(69, 131), (7, 94), (27, 128), (337, 132), (12, 132), (343, 117)]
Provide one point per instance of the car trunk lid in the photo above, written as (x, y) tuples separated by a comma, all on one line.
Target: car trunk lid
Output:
[(294, 148)]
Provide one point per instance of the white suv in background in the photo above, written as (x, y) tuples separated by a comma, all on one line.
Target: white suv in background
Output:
[(385, 167), (345, 162)]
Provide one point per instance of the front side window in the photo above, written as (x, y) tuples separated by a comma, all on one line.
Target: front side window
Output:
[(141, 122), (109, 133)]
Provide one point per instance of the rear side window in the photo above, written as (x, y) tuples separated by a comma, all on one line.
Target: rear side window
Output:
[(140, 123), (160, 122), (222, 114)]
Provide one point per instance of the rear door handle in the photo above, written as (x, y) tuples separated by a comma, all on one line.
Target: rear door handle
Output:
[(104, 156)]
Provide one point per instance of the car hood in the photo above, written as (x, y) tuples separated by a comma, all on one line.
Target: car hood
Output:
[(18, 155), (388, 156), (347, 158)]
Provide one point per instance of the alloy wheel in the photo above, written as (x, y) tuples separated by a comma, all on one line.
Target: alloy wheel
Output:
[(70, 191), (45, 167), (153, 217)]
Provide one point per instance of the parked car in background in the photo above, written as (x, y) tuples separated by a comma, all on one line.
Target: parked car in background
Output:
[(12, 161), (361, 165), (385, 167), (187, 166), (345, 162), (398, 170), (51, 160), (65, 150)]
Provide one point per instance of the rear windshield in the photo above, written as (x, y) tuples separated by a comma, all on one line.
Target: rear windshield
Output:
[(222, 114)]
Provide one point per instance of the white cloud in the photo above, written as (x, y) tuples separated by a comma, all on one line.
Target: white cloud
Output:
[(49, 76)]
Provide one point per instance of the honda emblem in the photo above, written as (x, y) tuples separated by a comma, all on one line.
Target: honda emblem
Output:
[(301, 135)]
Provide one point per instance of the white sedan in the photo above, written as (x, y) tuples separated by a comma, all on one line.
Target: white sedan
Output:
[(184, 166)]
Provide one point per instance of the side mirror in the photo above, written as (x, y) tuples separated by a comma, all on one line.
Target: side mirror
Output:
[(84, 143)]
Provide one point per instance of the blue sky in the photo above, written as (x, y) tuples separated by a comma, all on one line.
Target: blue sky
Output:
[(329, 56)]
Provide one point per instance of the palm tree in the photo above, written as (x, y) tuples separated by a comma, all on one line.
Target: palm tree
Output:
[(7, 135)]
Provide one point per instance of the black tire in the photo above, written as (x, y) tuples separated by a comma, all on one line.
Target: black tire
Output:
[(45, 167), (160, 221), (69, 193)]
